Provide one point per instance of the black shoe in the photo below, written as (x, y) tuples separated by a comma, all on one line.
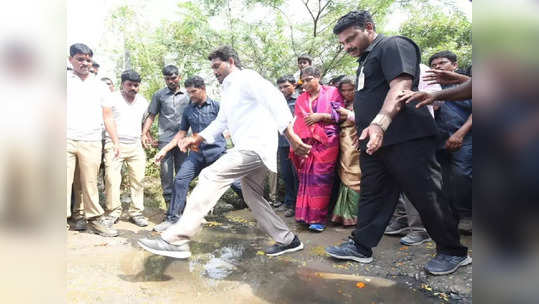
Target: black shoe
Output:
[(348, 251), (279, 249), (161, 247), (445, 264), (80, 224)]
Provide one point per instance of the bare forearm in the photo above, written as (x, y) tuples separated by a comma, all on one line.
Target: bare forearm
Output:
[(391, 104), (148, 124), (110, 126), (466, 127), (326, 117), (461, 92), (174, 142)]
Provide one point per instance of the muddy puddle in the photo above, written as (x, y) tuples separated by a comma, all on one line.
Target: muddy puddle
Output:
[(228, 254)]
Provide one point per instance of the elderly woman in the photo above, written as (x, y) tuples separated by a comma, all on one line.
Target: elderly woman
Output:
[(345, 211), (316, 124)]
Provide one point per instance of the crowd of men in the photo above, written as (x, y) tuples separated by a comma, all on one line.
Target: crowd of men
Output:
[(410, 154)]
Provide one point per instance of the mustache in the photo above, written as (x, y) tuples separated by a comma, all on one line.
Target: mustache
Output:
[(351, 50)]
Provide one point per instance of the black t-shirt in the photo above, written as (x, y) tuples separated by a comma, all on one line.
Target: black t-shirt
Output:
[(386, 59)]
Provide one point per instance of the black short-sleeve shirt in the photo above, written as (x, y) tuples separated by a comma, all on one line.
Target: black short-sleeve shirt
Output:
[(384, 60)]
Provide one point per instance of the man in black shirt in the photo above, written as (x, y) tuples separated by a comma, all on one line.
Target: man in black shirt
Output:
[(397, 145)]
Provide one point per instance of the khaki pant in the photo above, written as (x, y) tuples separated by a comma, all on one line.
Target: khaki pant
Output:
[(87, 155), (213, 181), (78, 205), (135, 159)]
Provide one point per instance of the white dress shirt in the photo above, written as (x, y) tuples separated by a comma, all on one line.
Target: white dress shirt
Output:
[(253, 110), (84, 113), (424, 86)]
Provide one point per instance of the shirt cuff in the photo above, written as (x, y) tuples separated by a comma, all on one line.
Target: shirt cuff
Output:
[(209, 139)]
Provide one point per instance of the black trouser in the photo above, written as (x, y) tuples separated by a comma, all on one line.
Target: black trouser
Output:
[(410, 167)]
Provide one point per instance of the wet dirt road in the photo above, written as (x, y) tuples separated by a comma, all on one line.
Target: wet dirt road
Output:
[(228, 266)]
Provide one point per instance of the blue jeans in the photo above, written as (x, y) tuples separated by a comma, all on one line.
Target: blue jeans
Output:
[(457, 179), (170, 165), (289, 176), (190, 169)]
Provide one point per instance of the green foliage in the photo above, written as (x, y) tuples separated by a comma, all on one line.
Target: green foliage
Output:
[(437, 30), (270, 41)]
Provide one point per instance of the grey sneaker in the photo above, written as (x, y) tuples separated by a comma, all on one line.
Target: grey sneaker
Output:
[(101, 226), (276, 204), (281, 208), (278, 249), (396, 227), (289, 212), (415, 238), (465, 226), (348, 251), (161, 247), (445, 264), (111, 220), (139, 220), (163, 226)]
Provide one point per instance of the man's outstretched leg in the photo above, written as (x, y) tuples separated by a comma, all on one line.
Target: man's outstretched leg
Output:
[(252, 186), (213, 182)]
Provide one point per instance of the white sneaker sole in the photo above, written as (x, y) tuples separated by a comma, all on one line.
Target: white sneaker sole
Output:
[(465, 262), (173, 254), (298, 248), (397, 232), (353, 258), (415, 244)]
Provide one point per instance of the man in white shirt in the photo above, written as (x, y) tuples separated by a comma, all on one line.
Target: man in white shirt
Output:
[(84, 122), (123, 114), (252, 109)]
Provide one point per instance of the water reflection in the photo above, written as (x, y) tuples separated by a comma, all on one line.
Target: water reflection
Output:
[(226, 257)]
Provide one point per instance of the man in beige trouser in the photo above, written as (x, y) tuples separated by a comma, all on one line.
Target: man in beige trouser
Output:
[(123, 114), (84, 124), (135, 158), (88, 154), (253, 110), (212, 184)]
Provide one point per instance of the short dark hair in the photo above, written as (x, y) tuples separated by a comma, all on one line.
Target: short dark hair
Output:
[(130, 75), (95, 65), (345, 80), (224, 53), (444, 54), (285, 78), (195, 82), (306, 57), (311, 71), (80, 48), (335, 80), (170, 70), (353, 18)]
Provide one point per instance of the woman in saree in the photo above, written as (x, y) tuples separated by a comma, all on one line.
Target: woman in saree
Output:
[(316, 124), (345, 210)]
